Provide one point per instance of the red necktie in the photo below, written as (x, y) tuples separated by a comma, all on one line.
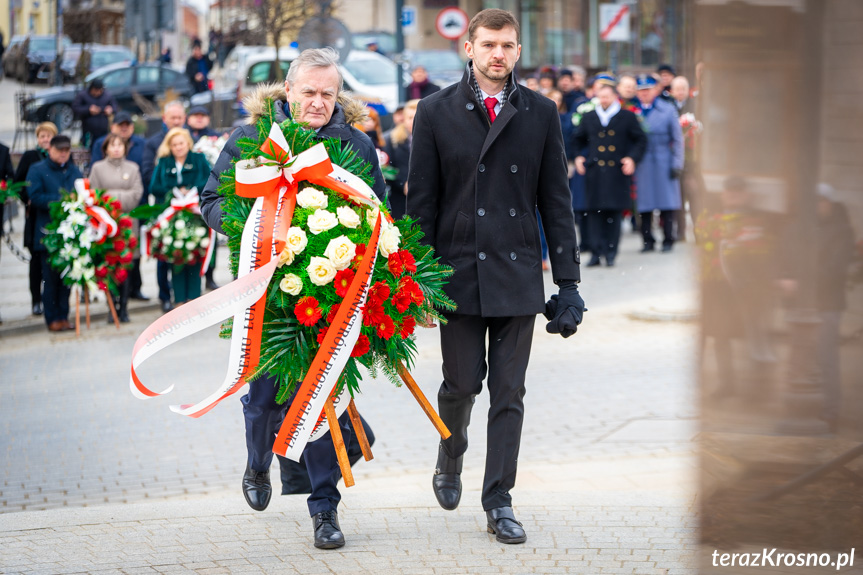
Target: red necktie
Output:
[(490, 103)]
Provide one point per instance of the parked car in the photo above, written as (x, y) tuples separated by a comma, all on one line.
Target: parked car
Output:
[(444, 67), (386, 41), (148, 80), (30, 58), (371, 77), (100, 55)]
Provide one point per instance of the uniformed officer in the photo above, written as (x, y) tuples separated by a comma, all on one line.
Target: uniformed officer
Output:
[(615, 143)]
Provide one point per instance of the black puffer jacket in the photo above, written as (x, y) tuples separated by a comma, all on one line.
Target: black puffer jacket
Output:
[(347, 112)]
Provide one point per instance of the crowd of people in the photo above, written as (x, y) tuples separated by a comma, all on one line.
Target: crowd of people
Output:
[(129, 168)]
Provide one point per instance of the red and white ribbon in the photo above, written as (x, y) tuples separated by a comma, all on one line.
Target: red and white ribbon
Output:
[(275, 187), (103, 224)]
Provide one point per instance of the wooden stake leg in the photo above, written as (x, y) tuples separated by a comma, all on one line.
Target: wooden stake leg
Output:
[(112, 308), (77, 311), (360, 431), (87, 304), (424, 403), (339, 443)]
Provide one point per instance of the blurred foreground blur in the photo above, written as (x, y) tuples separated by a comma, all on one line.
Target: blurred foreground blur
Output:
[(781, 99)]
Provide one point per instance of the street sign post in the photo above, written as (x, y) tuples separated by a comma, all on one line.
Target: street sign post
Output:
[(451, 23), (614, 22)]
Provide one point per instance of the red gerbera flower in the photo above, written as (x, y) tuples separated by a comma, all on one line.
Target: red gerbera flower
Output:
[(410, 288), (402, 300), (343, 281), (408, 261), (373, 313), (361, 347), (407, 326), (394, 262), (307, 311), (385, 328), (379, 293), (331, 315), (321, 334), (358, 255)]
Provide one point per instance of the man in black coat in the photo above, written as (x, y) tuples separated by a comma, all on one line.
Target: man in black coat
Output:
[(312, 87), (485, 155), (7, 174), (198, 123), (94, 105), (616, 143), (47, 178), (198, 68)]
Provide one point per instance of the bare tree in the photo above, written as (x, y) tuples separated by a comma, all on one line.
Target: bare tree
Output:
[(281, 21)]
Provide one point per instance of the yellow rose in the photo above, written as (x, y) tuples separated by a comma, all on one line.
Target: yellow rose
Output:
[(312, 198), (389, 239), (321, 221), (286, 257), (296, 240), (341, 252), (348, 217), (321, 271), (291, 284)]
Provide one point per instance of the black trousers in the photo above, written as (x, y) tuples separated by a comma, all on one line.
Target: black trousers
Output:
[(604, 229), (36, 263), (465, 365), (666, 219), (135, 281), (264, 417), (55, 298)]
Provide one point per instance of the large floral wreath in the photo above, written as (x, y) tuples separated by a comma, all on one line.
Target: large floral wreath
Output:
[(89, 240), (175, 232), (325, 244)]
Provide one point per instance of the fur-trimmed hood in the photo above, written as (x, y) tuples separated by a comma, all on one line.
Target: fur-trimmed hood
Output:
[(255, 103)]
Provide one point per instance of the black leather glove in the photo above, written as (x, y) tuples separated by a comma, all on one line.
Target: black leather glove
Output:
[(675, 173), (564, 310)]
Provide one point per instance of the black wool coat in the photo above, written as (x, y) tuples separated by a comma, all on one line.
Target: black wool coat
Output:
[(475, 187), (606, 186)]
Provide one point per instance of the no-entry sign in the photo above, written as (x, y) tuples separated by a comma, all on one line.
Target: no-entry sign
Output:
[(451, 23), (614, 22)]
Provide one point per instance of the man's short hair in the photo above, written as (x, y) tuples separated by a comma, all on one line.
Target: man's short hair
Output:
[(493, 19), (96, 84), (61, 142), (315, 58), (174, 104)]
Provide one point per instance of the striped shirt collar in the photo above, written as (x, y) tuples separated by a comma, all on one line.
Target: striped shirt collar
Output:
[(504, 94)]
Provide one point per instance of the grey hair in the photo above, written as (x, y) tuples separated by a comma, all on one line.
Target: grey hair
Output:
[(315, 58), (174, 104)]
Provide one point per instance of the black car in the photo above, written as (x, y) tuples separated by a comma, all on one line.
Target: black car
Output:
[(29, 58), (149, 81), (96, 56)]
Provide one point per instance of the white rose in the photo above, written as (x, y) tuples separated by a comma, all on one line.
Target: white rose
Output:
[(286, 258), (312, 198), (190, 245), (200, 232), (291, 284), (341, 252), (178, 244), (179, 224), (389, 240), (372, 216), (348, 217), (321, 221), (155, 232), (321, 271), (205, 242), (296, 240)]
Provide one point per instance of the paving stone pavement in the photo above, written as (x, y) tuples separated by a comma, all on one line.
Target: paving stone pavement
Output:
[(97, 481)]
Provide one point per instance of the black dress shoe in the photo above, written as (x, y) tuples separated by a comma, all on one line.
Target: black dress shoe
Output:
[(667, 248), (140, 296), (166, 306), (609, 261), (257, 489), (446, 481), (211, 285), (501, 522), (37, 309), (328, 534), (646, 249), (594, 261)]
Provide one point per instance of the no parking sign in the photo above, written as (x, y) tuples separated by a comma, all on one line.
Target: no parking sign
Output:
[(451, 23)]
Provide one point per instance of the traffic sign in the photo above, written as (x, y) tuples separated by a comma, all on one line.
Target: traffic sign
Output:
[(409, 20), (451, 23), (614, 22)]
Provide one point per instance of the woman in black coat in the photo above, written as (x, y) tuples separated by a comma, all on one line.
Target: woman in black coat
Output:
[(397, 146), (44, 132)]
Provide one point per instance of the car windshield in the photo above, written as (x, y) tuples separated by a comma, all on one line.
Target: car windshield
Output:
[(45, 44), (103, 58), (442, 61), (375, 72)]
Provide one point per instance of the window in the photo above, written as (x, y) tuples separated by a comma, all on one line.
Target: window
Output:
[(118, 79), (263, 72), (370, 72), (148, 75)]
